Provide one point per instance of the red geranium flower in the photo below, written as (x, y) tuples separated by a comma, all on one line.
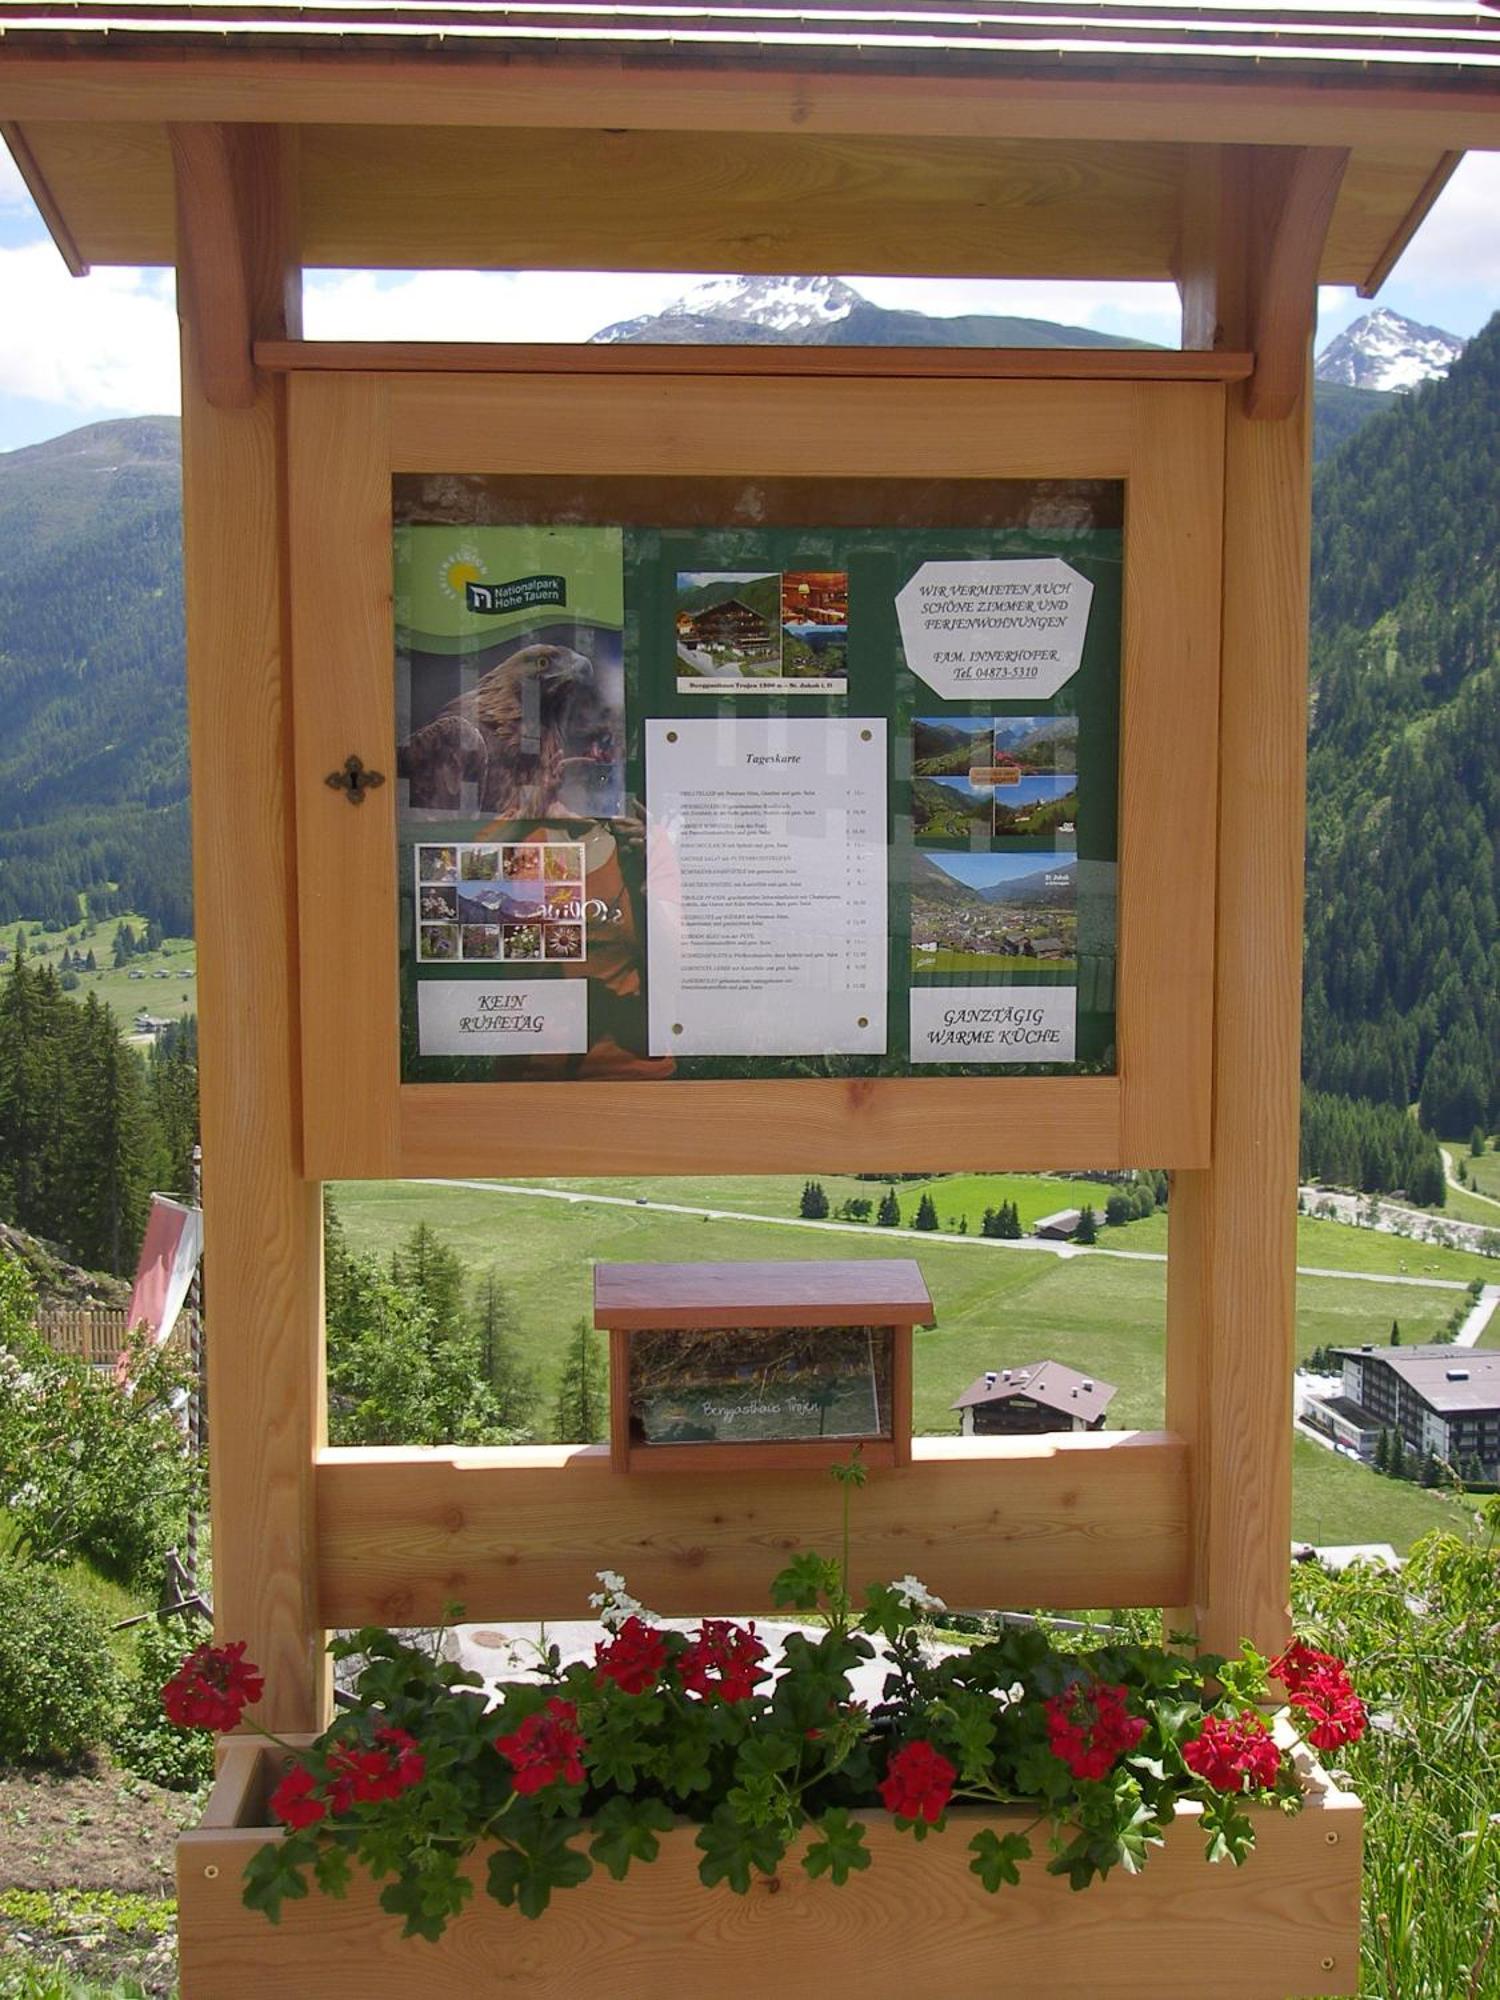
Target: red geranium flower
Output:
[(1319, 1685), (295, 1801), (1234, 1753), (212, 1688), (918, 1782), (632, 1659), (1089, 1726), (360, 1776), (723, 1659), (546, 1747)]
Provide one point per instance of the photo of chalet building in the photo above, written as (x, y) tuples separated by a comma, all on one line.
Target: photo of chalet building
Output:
[(1437, 1398), (1045, 1396), (728, 624)]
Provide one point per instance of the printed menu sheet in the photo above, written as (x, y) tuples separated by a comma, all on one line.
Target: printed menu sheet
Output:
[(767, 915)]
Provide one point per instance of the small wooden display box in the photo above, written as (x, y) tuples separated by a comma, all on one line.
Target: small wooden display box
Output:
[(765, 1366)]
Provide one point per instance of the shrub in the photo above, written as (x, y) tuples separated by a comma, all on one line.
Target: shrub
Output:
[(57, 1674), (88, 1467), (180, 1760)]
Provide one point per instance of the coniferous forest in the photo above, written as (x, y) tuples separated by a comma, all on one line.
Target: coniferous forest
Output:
[(88, 1127), (1403, 947)]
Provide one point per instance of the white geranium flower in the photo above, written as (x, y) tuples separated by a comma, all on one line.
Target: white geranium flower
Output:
[(614, 1603), (916, 1596)]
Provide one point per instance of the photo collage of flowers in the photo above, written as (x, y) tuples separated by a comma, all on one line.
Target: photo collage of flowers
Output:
[(505, 902)]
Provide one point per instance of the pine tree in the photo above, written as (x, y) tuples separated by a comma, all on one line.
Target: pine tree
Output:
[(987, 1225), (1383, 1451), (888, 1215), (927, 1215), (1476, 1143), (1010, 1222), (1395, 1333), (1430, 1470), (963, 1225), (425, 1265), (1088, 1226), (513, 1382), (110, 1177), (814, 1203), (583, 1392)]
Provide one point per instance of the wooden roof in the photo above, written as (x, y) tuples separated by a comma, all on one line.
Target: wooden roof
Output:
[(1426, 36), (885, 1291), (1031, 139)]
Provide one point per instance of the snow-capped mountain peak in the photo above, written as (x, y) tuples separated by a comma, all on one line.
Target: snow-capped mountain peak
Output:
[(1385, 351), (776, 306)]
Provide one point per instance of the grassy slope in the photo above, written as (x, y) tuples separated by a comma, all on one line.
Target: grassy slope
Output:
[(995, 1307), (168, 999)]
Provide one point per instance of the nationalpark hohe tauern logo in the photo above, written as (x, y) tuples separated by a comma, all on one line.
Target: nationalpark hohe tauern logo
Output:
[(520, 594)]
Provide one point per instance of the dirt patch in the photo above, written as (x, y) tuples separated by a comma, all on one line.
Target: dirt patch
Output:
[(86, 1873), (93, 1829)]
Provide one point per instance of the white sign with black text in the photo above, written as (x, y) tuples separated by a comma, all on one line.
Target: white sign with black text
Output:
[(993, 1024), (503, 1017)]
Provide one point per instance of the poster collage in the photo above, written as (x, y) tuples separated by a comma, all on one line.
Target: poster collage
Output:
[(513, 761)]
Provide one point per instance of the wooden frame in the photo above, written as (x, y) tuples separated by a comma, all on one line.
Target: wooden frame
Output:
[(1283, 1923), (350, 433)]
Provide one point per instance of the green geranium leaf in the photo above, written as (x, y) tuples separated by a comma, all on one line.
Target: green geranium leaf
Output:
[(626, 1830), (838, 1849), (802, 1585), (998, 1857), (426, 1894), (526, 1876), (332, 1868), (731, 1850), (276, 1875)]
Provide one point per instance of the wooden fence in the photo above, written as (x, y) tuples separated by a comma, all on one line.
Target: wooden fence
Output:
[(97, 1333)]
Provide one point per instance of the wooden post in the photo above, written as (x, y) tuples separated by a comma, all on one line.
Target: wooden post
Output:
[(263, 1224), (1231, 1277)]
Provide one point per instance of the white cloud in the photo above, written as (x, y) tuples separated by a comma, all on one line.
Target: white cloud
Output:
[(105, 342), (13, 194), (1459, 241), (480, 305)]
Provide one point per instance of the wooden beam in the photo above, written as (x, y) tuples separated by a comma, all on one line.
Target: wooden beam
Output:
[(263, 1222), (1294, 191), (47, 206), (1065, 1521), (213, 278), (995, 364), (304, 87), (1231, 1279)]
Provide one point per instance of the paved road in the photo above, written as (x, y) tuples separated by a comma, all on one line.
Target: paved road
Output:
[(1483, 1312), (1472, 1192), (927, 1236)]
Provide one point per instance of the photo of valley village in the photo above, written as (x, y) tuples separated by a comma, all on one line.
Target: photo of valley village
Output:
[(994, 912), (762, 630), (995, 777)]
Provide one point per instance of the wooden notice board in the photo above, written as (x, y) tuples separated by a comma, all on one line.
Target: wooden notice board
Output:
[(743, 574)]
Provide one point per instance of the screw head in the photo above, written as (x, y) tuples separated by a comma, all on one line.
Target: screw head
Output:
[(211, 1872), (1332, 1839), (1327, 1963)]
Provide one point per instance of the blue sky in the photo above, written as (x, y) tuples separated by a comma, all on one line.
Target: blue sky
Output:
[(75, 350)]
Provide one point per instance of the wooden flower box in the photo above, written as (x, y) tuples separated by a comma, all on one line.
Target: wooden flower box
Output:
[(1285, 1924)]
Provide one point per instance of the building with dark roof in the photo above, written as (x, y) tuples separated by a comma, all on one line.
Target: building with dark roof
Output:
[(1439, 1398), (1044, 1396)]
